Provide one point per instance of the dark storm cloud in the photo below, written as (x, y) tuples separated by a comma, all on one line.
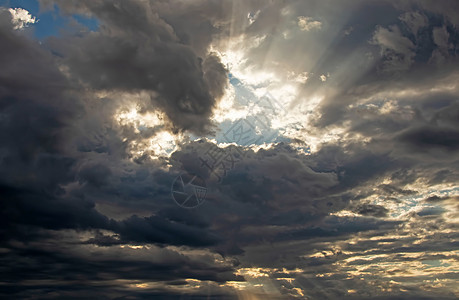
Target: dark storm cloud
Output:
[(247, 200), (38, 107), (158, 230), (418, 139), (44, 114), (45, 267), (36, 110), (137, 50), (33, 94)]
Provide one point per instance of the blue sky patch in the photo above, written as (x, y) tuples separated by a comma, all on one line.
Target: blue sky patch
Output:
[(51, 22)]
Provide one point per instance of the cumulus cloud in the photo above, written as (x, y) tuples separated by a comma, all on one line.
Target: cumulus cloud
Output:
[(21, 18), (308, 23)]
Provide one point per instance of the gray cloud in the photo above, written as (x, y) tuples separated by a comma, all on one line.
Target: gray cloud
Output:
[(137, 50)]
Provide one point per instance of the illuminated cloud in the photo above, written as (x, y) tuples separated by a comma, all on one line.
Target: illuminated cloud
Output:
[(21, 18), (308, 23)]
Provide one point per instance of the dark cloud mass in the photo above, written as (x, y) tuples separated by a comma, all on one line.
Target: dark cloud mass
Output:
[(137, 50), (345, 187)]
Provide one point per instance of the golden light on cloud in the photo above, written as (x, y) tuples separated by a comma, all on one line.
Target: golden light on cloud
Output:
[(228, 109), (254, 272), (150, 135), (133, 117)]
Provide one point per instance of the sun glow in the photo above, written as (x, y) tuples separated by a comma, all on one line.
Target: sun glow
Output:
[(258, 92), (228, 109), (132, 117), (150, 136)]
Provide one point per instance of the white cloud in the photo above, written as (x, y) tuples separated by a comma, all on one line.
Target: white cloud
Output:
[(308, 23), (21, 18)]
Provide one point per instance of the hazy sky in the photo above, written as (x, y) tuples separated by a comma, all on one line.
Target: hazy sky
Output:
[(317, 143)]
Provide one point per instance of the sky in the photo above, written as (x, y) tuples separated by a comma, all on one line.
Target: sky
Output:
[(201, 149)]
